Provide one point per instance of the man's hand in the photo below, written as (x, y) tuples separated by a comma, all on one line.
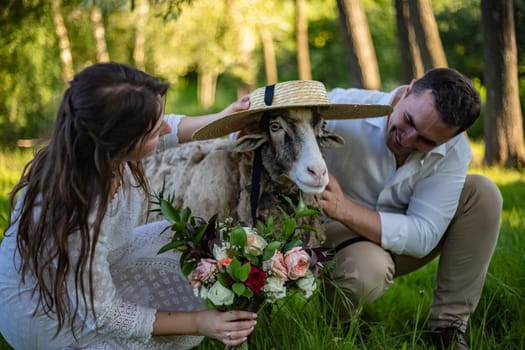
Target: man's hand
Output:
[(332, 199)]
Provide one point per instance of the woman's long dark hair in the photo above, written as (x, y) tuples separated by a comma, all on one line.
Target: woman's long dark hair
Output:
[(106, 111)]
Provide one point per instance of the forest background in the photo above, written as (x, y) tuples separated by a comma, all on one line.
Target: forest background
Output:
[(212, 51)]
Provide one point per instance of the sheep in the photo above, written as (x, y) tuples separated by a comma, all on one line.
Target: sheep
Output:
[(214, 176), (283, 136)]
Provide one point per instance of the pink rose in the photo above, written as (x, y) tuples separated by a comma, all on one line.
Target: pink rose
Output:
[(297, 262), (276, 266), (204, 273)]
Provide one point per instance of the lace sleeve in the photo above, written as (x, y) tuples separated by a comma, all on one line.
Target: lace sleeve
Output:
[(114, 316)]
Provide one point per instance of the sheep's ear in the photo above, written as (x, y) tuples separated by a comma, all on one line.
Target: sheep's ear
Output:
[(249, 142), (331, 140)]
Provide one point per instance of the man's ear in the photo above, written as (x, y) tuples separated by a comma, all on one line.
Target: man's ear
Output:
[(409, 88)]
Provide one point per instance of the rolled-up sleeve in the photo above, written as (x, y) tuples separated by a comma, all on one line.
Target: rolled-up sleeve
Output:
[(432, 205), (173, 120), (415, 202)]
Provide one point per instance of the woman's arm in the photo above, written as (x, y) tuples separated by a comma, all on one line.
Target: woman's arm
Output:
[(189, 125), (232, 327)]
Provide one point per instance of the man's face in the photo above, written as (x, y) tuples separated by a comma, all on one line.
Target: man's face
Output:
[(415, 125)]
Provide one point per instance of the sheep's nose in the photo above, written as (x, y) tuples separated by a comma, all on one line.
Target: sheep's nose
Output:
[(318, 173)]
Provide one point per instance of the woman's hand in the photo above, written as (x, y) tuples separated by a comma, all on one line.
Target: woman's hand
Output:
[(188, 126), (240, 105), (231, 327)]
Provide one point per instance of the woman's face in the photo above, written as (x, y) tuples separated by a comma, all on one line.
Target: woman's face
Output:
[(149, 142)]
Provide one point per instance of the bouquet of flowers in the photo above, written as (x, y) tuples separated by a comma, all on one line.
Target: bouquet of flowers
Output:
[(232, 266)]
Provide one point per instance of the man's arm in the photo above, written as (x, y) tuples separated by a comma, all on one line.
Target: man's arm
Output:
[(359, 219)]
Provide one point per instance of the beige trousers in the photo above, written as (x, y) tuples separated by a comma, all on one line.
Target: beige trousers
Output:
[(363, 270)]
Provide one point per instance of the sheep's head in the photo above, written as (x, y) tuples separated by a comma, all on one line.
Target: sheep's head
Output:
[(290, 144)]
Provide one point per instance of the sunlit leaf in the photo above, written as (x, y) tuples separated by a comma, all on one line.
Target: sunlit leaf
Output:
[(239, 272), (169, 212), (238, 237), (239, 288)]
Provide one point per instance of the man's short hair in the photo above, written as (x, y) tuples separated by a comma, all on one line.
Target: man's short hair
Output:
[(456, 100)]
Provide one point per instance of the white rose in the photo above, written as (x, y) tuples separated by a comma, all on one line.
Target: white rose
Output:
[(220, 295), (201, 292), (274, 288), (219, 253), (307, 284)]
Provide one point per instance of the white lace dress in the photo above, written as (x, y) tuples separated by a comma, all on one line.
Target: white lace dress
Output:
[(130, 281)]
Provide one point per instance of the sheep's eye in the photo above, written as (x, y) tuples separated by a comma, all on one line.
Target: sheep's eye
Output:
[(274, 127)]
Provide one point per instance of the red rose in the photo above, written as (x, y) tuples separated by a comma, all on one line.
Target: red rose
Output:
[(256, 279)]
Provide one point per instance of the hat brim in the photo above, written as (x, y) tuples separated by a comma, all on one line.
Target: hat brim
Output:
[(238, 121)]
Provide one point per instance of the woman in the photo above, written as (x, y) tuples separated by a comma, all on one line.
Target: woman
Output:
[(76, 268)]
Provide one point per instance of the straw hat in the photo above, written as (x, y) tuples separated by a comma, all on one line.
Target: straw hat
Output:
[(296, 93)]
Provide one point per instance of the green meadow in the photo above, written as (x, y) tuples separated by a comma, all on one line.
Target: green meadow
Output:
[(398, 319)]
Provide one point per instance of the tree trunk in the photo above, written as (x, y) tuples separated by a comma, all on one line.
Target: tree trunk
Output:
[(65, 48), (358, 41), (411, 63), (427, 34), (139, 52), (99, 34), (303, 56), (270, 63), (246, 66), (207, 84), (503, 124)]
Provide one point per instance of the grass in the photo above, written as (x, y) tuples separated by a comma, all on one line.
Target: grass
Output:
[(397, 320), (11, 165)]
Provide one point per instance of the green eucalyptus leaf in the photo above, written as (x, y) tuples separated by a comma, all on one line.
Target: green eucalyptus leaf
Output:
[(223, 279), (239, 288), (239, 272), (270, 249), (238, 237), (248, 293), (292, 244)]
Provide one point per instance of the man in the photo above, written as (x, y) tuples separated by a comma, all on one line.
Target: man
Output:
[(399, 195)]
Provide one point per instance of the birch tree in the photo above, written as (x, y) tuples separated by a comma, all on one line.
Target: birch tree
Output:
[(303, 56), (66, 57)]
